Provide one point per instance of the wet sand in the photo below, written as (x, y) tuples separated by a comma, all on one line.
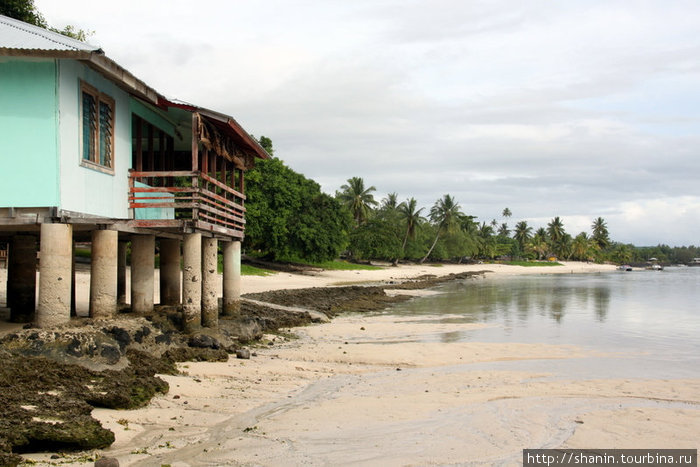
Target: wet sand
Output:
[(373, 390)]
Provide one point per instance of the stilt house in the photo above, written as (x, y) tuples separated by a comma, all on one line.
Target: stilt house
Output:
[(88, 152)]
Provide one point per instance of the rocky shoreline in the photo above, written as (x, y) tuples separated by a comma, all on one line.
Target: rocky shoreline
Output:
[(51, 380)]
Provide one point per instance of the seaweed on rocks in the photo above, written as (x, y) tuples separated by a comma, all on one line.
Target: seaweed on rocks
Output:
[(355, 298), (46, 405)]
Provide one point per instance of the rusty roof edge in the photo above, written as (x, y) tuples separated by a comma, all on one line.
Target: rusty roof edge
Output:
[(259, 150), (227, 119)]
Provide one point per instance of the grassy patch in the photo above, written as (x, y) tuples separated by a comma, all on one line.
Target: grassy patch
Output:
[(248, 270), (340, 265), (529, 264)]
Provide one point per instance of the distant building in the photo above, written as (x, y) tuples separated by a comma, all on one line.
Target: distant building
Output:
[(88, 152)]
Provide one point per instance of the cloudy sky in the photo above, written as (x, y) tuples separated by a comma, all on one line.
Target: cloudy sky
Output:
[(576, 109)]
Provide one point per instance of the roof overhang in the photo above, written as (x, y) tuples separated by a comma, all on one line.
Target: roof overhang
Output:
[(97, 61), (224, 123)]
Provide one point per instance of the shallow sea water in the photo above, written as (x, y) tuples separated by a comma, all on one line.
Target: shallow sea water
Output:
[(648, 320)]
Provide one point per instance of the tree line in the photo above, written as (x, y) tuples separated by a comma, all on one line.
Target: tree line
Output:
[(289, 218)]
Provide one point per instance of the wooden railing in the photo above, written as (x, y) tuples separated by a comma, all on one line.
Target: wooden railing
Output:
[(175, 198)]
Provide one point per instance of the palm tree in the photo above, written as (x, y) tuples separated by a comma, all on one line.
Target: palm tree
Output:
[(357, 198), (503, 230), (538, 245), (411, 216), (522, 234), (555, 230), (556, 234), (486, 241), (391, 202), (582, 247), (600, 233), (507, 213), (445, 214)]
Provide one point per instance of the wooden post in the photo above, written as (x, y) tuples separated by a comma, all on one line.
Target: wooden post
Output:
[(195, 162), (151, 158), (139, 144)]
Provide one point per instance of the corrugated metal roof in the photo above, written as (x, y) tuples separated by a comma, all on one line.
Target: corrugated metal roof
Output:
[(15, 34)]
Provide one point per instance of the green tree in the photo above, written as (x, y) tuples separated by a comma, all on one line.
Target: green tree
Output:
[(391, 202), (557, 236), (445, 214), (266, 144), (357, 198), (376, 238), (582, 247), (487, 241), (25, 10), (411, 217), (600, 233), (289, 218), (506, 213), (522, 234), (539, 244)]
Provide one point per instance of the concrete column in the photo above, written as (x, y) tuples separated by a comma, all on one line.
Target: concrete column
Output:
[(55, 275), (210, 301), (169, 271), (232, 278), (21, 278), (121, 273), (143, 250), (192, 282), (73, 292), (103, 274)]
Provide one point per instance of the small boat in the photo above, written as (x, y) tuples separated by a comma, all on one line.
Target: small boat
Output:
[(625, 267)]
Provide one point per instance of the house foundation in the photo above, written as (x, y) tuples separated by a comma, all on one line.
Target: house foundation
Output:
[(121, 272), (54, 275), (192, 282), (232, 278), (210, 301), (169, 271), (21, 278), (103, 274), (143, 249)]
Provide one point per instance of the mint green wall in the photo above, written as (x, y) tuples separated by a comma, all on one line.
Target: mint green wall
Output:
[(28, 133), (84, 189)]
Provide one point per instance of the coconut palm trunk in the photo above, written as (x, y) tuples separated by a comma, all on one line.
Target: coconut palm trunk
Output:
[(431, 248)]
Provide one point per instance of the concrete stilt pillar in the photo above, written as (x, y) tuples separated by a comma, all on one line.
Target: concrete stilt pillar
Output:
[(169, 271), (143, 250), (103, 274), (73, 292), (232, 278), (55, 275), (10, 273), (121, 273), (192, 282), (210, 301), (21, 279)]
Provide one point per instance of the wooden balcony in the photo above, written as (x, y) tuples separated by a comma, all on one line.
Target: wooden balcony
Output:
[(186, 201)]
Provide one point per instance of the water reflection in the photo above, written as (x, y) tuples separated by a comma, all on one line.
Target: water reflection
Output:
[(518, 300), (646, 313)]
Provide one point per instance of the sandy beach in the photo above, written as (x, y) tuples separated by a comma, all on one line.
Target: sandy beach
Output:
[(370, 390)]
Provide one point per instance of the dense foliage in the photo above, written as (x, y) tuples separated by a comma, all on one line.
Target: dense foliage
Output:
[(288, 217)]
